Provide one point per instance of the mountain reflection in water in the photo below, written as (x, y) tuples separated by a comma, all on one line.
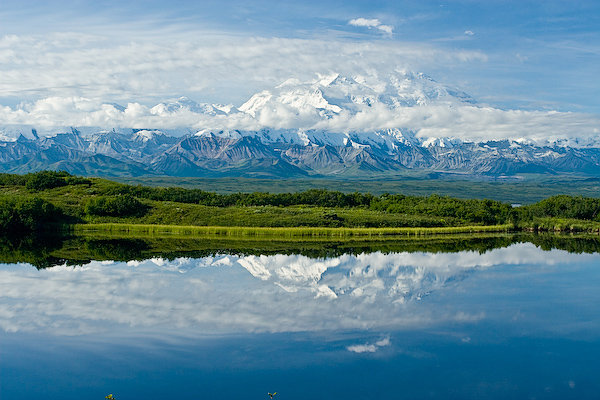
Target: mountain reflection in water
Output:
[(236, 293), (479, 318)]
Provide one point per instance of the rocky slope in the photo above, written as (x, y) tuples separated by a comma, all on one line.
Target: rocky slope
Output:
[(135, 153)]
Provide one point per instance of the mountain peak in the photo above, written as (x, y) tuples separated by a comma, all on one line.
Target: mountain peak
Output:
[(145, 135), (183, 104), (330, 94), (326, 80), (256, 103)]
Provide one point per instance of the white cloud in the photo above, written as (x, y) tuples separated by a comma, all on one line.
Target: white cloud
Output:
[(372, 23), (469, 33), (387, 29), (369, 23), (362, 348), (458, 121), (369, 348)]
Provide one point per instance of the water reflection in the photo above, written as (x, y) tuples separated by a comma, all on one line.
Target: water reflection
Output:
[(483, 317), (276, 293), (56, 249)]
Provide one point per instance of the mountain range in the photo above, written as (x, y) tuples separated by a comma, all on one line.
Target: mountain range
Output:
[(273, 146)]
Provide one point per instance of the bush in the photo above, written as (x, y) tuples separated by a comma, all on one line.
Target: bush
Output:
[(563, 206), (78, 180), (43, 180), (487, 212), (27, 214), (12, 179), (115, 206)]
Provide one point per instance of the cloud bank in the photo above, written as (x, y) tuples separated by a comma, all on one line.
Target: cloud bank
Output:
[(467, 122)]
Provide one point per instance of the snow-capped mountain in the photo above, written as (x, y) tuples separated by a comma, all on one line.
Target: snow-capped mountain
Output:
[(282, 147), (183, 104), (277, 154), (333, 94)]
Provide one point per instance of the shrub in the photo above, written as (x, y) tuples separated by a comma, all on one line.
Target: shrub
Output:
[(115, 206), (564, 206), (43, 180), (78, 180), (12, 179), (26, 214), (488, 212)]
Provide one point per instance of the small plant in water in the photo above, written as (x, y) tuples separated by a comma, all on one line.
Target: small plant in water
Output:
[(272, 394)]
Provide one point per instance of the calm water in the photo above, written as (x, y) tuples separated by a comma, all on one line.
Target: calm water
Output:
[(509, 323)]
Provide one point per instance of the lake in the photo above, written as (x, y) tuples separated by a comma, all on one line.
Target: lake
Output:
[(492, 318)]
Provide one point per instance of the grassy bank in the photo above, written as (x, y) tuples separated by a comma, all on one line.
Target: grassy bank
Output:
[(284, 232), (560, 225)]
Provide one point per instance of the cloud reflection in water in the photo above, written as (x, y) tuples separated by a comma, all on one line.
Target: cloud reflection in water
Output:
[(227, 293)]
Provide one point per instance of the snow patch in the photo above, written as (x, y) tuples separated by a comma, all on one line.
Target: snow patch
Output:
[(256, 102), (146, 135)]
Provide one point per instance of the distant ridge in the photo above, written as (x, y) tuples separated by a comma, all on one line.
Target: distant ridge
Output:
[(246, 154)]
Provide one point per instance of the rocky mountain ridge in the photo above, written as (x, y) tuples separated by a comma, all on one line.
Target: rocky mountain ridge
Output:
[(283, 154)]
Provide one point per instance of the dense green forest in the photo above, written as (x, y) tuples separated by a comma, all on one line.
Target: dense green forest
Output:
[(45, 199)]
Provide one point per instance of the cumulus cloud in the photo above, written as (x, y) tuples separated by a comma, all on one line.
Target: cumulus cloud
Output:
[(469, 33), (372, 23)]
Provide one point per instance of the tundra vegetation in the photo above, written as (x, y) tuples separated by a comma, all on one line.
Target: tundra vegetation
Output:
[(48, 199)]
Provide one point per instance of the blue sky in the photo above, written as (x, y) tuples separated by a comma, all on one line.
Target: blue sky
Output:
[(511, 55)]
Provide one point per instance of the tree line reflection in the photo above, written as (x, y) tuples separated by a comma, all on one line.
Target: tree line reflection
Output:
[(44, 251)]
